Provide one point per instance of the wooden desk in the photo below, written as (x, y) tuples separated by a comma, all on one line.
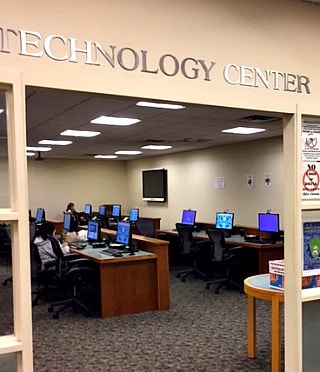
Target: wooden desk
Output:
[(266, 252), (258, 287), (133, 284)]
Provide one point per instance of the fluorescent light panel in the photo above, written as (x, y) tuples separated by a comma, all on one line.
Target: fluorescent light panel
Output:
[(128, 152), (105, 156), (1, 111), (156, 147), (54, 142), (110, 120), (38, 148), (169, 106), (30, 153), (243, 130), (79, 133)]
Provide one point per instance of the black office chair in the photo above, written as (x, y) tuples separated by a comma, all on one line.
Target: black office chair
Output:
[(195, 250), (224, 259), (145, 227)]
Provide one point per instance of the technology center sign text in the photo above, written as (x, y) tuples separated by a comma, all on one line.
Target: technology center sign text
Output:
[(67, 49)]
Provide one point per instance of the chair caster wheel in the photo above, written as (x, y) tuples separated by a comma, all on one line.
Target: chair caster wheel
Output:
[(178, 276), (87, 315), (208, 286), (4, 284), (55, 316), (50, 309), (183, 279), (216, 291)]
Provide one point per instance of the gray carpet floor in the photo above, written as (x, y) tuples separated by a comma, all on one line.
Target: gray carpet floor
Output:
[(202, 331)]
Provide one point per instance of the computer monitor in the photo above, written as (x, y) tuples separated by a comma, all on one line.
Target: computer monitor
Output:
[(134, 214), (88, 209), (269, 223), (123, 235), (188, 217), (116, 210), (40, 215), (67, 222), (102, 210), (224, 221), (94, 231)]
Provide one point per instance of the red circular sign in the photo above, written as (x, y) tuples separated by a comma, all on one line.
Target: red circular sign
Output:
[(310, 180)]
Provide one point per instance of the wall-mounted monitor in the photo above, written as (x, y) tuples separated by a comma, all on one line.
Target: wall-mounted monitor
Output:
[(94, 231), (188, 217), (123, 235), (102, 210), (88, 209), (269, 222), (134, 214), (40, 215), (224, 221), (154, 185), (116, 210)]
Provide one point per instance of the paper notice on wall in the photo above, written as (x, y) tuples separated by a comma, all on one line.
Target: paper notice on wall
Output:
[(219, 183)]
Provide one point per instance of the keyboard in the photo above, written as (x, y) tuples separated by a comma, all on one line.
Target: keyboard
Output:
[(258, 241), (78, 245), (111, 251)]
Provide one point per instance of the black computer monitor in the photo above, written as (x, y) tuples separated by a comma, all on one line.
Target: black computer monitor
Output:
[(102, 210), (188, 217), (123, 235), (40, 215), (269, 223), (134, 214), (224, 221), (67, 222), (116, 210), (88, 209), (94, 231)]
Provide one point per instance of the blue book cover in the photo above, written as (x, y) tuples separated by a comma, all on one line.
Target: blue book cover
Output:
[(311, 248)]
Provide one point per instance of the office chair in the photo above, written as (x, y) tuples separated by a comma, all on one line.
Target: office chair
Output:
[(5, 248), (145, 227), (82, 284), (192, 249), (224, 258)]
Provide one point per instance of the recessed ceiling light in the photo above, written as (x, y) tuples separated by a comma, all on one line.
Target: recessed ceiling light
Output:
[(169, 106), (53, 142), (105, 156), (1, 111), (30, 153), (110, 120), (243, 130), (128, 152), (38, 148), (79, 133), (156, 147)]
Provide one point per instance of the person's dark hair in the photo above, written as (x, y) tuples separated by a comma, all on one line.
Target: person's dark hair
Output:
[(45, 230), (69, 206)]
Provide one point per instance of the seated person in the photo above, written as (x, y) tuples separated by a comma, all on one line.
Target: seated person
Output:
[(44, 245), (78, 218)]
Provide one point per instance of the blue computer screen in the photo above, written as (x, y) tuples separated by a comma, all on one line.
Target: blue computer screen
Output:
[(188, 217), (123, 235), (67, 221), (88, 209), (116, 210), (134, 214), (268, 222), (102, 210), (224, 220), (39, 215), (94, 231)]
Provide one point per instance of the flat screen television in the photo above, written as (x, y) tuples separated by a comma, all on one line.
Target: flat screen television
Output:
[(40, 215), (123, 235), (116, 210), (188, 217), (88, 209), (224, 221), (102, 210), (134, 214), (94, 231), (154, 185)]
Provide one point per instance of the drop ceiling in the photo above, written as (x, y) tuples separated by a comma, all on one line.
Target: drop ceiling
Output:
[(51, 111)]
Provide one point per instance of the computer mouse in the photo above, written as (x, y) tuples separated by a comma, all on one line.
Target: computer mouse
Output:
[(117, 255)]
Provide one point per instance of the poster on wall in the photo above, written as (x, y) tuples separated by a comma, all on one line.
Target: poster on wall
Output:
[(310, 156), (311, 248)]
